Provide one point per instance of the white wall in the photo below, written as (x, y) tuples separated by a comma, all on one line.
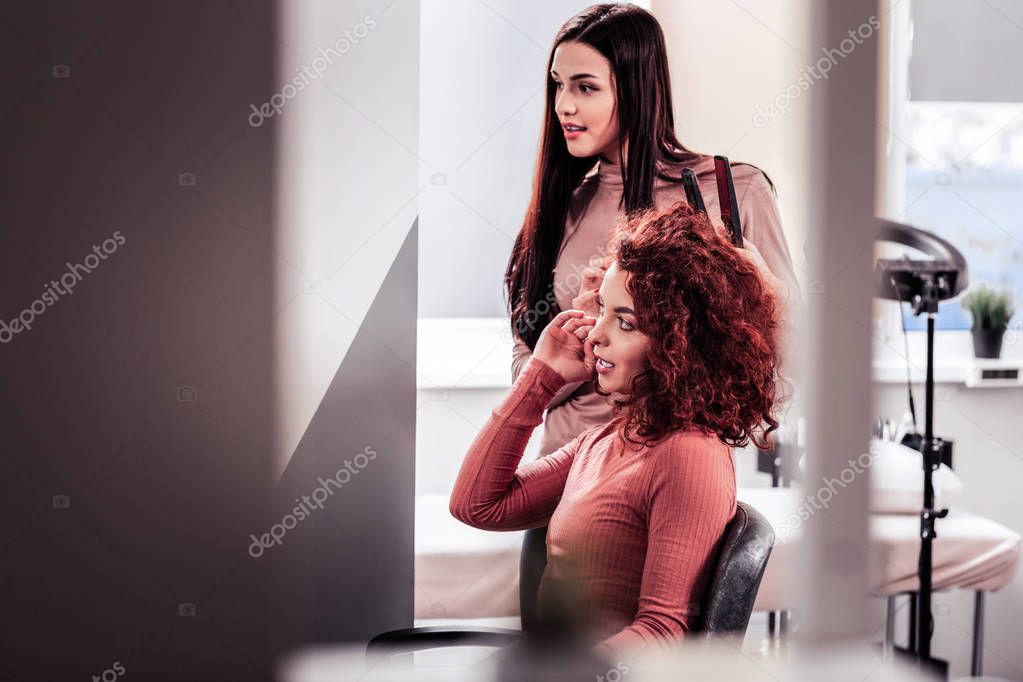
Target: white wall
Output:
[(483, 76), (759, 48), (344, 332)]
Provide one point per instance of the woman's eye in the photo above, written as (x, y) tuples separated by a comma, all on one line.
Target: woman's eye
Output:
[(623, 324), (584, 87)]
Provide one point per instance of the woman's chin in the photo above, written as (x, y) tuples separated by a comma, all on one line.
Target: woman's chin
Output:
[(580, 152)]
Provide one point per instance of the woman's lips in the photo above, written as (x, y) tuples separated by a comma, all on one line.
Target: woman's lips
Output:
[(602, 368), (572, 134)]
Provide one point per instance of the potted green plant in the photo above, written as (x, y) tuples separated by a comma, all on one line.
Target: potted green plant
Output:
[(991, 311)]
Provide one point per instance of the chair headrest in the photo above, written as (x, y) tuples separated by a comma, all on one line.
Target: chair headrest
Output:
[(745, 548)]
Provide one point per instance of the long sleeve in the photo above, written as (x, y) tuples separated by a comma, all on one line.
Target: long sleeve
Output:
[(492, 491), (691, 500), (520, 355), (761, 223)]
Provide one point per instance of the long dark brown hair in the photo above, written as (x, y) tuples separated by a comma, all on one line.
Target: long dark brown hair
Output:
[(632, 41)]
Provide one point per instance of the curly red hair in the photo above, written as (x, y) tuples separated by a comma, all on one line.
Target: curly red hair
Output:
[(714, 329)]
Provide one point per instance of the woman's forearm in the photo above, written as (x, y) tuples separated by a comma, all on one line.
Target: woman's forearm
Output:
[(492, 491)]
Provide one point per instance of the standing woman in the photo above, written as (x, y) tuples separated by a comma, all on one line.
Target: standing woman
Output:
[(608, 150)]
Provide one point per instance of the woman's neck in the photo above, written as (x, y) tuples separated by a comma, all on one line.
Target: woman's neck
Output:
[(609, 174)]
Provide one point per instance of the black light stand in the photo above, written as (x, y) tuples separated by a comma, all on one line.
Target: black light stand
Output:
[(930, 448), (923, 284)]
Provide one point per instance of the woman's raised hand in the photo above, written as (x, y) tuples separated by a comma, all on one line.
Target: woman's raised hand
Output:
[(592, 276), (563, 345), (750, 251)]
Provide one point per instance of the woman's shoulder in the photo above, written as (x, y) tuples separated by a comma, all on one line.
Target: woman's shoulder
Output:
[(692, 438), (589, 437), (745, 176), (690, 449), (751, 180), (700, 165)]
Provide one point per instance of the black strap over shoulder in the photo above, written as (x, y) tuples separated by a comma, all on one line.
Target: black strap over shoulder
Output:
[(726, 196), (693, 195)]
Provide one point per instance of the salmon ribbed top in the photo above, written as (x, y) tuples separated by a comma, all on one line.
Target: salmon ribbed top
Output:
[(632, 531)]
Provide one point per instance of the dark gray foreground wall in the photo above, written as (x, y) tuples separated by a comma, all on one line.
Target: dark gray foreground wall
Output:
[(139, 413)]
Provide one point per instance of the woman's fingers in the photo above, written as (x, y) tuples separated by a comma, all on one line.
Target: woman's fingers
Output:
[(587, 302), (753, 253), (575, 323), (583, 332), (750, 251), (565, 315), (589, 359), (592, 277)]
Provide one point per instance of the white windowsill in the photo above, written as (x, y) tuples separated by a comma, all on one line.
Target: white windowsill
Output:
[(464, 353), (953, 357), (476, 353)]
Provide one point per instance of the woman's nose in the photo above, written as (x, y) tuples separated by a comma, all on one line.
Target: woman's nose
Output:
[(563, 104), (596, 335)]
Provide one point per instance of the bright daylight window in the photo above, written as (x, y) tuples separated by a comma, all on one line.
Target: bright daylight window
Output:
[(964, 175)]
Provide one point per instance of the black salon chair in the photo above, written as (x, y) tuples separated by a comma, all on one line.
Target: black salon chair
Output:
[(745, 548)]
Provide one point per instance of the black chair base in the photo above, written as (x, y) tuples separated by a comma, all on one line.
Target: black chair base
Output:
[(415, 639)]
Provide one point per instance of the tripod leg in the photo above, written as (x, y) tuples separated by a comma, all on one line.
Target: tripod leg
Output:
[(889, 626), (977, 660), (912, 622)]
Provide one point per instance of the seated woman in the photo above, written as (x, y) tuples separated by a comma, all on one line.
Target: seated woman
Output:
[(685, 346)]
